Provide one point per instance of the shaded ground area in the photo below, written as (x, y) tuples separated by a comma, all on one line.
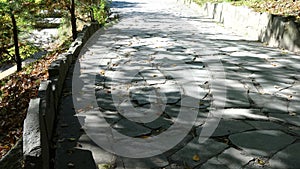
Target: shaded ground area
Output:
[(149, 91)]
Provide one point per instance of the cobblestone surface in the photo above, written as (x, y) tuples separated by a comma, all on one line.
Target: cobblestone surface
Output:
[(152, 75)]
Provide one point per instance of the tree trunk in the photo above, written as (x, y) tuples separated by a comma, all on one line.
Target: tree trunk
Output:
[(73, 20), (16, 41)]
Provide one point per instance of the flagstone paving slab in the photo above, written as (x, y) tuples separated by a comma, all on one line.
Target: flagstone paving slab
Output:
[(262, 142)]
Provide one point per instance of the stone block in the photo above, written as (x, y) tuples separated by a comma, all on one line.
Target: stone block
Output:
[(32, 145), (290, 37)]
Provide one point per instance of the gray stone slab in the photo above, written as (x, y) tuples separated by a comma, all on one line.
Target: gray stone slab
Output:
[(171, 90), (294, 106), (286, 118), (229, 49), (192, 102), (204, 150), (258, 98), (111, 116), (32, 139), (105, 101), (153, 77), (172, 111), (148, 94), (77, 158), (261, 142), (275, 105), (238, 113), (236, 95), (233, 158), (175, 166), (131, 129), (270, 82), (160, 123), (287, 158), (236, 98), (100, 156), (146, 163), (213, 163), (270, 103), (265, 125), (294, 130), (227, 127)]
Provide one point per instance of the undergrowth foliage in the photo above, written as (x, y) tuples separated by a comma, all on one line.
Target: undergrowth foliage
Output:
[(17, 90)]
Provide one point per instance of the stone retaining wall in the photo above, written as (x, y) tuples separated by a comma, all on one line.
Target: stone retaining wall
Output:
[(42, 111), (275, 31)]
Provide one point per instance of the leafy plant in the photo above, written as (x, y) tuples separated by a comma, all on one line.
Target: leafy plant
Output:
[(15, 14)]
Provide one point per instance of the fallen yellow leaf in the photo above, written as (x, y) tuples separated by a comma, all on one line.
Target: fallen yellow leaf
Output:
[(102, 72), (145, 137), (261, 162), (196, 157), (104, 166), (6, 147)]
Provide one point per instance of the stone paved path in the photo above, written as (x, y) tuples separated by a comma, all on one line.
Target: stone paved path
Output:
[(149, 86)]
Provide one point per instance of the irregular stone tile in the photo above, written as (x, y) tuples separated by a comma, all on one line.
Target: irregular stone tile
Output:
[(171, 91), (270, 103), (287, 158), (153, 77), (200, 76), (105, 101), (236, 94), (227, 127), (269, 83), (294, 106), (145, 95), (248, 84), (258, 99), (243, 114), (236, 99), (265, 125), (261, 142), (159, 123), (175, 166), (79, 158), (201, 118), (291, 119), (130, 128), (172, 111), (190, 102), (100, 156), (204, 150), (258, 163), (287, 93), (213, 163), (294, 130), (233, 158), (111, 55), (229, 49), (111, 116), (275, 105), (127, 51), (146, 163)]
